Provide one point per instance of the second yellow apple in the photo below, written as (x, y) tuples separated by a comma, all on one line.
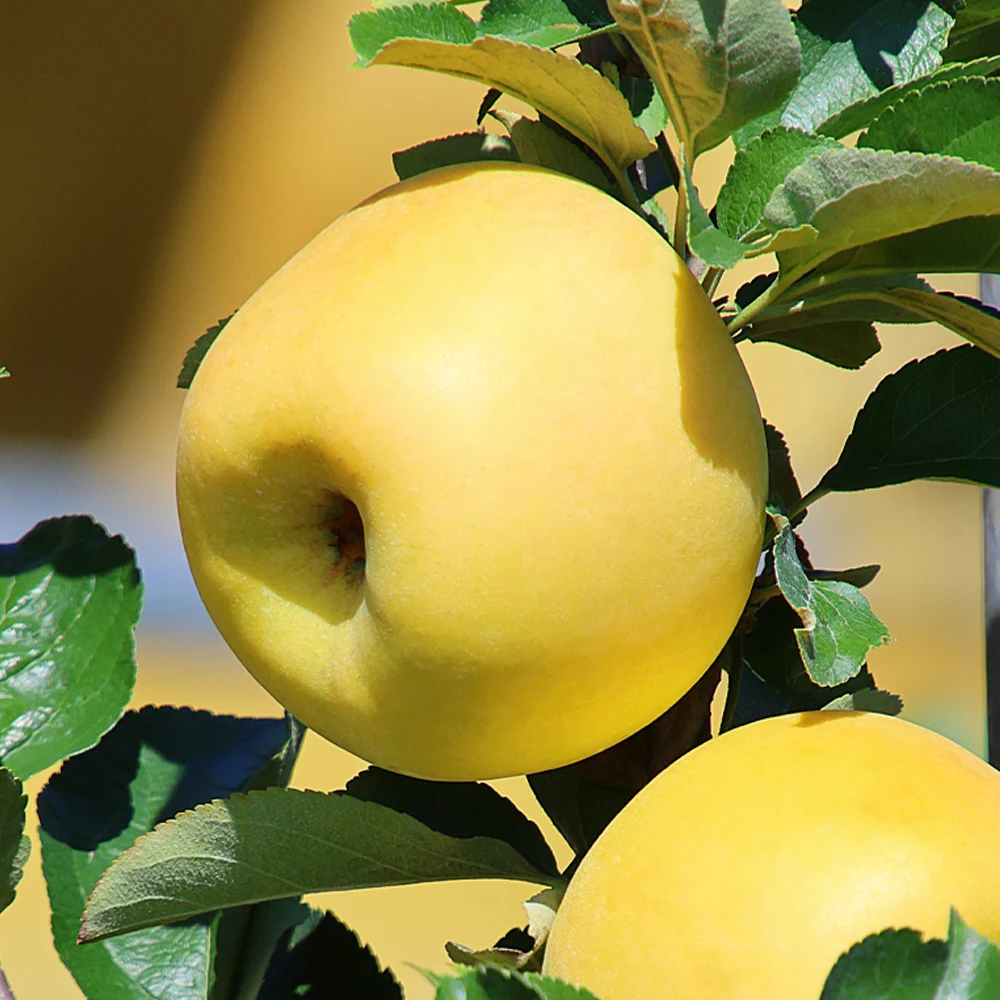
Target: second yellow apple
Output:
[(474, 485)]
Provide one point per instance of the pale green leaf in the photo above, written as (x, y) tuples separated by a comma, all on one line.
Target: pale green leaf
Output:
[(839, 628), (717, 64), (972, 971), (856, 196), (575, 96), (236, 851), (763, 61), (977, 322), (861, 114)]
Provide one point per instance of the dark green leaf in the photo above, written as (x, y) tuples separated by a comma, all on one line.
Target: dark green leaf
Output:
[(371, 30), (838, 626), (855, 48), (152, 764), (844, 343), (579, 809), (645, 103), (972, 971), (236, 851), (961, 118), (893, 965), (759, 167), (712, 245), (499, 956), (867, 700), (468, 147), (856, 196), (547, 23), (71, 598), (196, 353), (938, 418), (14, 845), (574, 96), (544, 146), (322, 957), (863, 113), (781, 477), (966, 245), (976, 32), (486, 983), (457, 809)]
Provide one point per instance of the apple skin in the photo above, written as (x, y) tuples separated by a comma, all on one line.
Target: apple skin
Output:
[(554, 450), (749, 866)]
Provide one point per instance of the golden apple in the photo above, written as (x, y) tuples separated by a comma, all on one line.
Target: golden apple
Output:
[(474, 484), (749, 866)]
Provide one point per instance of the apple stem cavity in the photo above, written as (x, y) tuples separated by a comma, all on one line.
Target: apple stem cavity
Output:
[(346, 539)]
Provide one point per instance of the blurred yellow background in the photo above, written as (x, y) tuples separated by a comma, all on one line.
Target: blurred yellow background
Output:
[(161, 160)]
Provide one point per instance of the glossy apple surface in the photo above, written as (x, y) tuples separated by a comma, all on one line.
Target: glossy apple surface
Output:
[(749, 866), (474, 485)]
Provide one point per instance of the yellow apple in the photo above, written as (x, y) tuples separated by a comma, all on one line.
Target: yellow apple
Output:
[(749, 866), (474, 484)]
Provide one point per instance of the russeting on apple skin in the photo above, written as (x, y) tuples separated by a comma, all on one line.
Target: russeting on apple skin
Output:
[(474, 485)]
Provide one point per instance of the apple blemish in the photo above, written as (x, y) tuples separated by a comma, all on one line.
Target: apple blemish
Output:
[(346, 539)]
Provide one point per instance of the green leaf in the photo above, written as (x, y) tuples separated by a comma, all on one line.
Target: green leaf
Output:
[(773, 680), (712, 245), (71, 598), (538, 144), (575, 96), (236, 851), (196, 353), (645, 103), (961, 118), (371, 30), (867, 700), (893, 965), (856, 196), (468, 147), (862, 113), (323, 957), (853, 49), (966, 245), (838, 626), (3, 372), (546, 23), (759, 168), (844, 343), (152, 764), (579, 809), (717, 64), (938, 418), (976, 31), (14, 845), (763, 64), (458, 809), (968, 317), (782, 483), (972, 971), (490, 983)]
